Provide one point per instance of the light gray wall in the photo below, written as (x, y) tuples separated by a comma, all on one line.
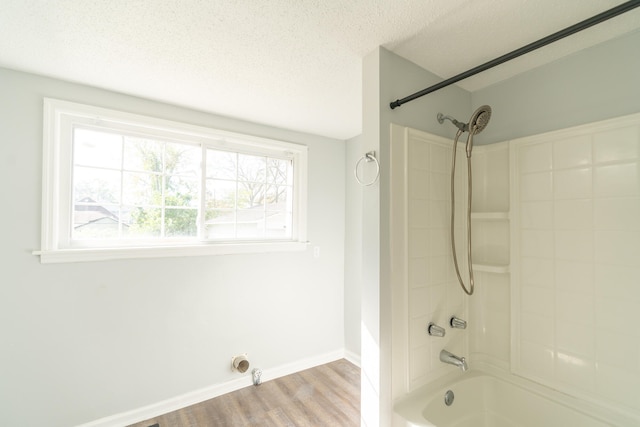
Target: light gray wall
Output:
[(595, 84), (387, 77), (88, 340), (352, 249)]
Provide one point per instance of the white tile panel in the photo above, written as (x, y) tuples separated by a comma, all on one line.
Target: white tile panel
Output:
[(536, 186), (618, 247), (419, 242), (622, 213), (574, 276), (536, 360), (440, 186), (575, 371), (537, 271), (572, 152), (418, 213), (576, 245), (573, 214), (536, 158), (537, 215), (419, 302), (537, 300), (617, 180), (578, 308), (572, 183), (617, 281), (439, 242), (616, 145), (419, 158), (440, 158), (537, 243), (418, 272), (576, 339), (537, 329), (419, 184), (589, 345)]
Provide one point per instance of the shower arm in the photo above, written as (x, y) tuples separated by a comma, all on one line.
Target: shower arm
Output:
[(582, 25), (462, 126)]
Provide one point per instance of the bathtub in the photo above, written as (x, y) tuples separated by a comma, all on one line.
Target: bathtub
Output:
[(486, 400)]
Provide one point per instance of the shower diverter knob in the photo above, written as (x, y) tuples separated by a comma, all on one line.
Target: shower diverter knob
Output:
[(457, 323), (435, 330)]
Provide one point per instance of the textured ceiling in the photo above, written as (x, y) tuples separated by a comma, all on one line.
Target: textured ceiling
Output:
[(294, 64)]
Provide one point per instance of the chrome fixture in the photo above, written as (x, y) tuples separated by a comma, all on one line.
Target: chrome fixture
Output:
[(454, 360), (257, 374), (457, 323), (479, 120), (448, 397), (435, 330)]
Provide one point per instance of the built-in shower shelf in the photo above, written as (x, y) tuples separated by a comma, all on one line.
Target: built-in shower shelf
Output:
[(491, 268), (489, 216)]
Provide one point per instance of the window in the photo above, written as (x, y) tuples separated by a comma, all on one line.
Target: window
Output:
[(118, 185)]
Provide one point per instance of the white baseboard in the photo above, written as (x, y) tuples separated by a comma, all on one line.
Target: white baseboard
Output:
[(197, 396), (352, 357)]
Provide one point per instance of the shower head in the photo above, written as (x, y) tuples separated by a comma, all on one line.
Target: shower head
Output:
[(480, 119)]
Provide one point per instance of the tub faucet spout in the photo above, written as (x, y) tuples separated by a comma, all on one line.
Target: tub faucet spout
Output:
[(454, 360)]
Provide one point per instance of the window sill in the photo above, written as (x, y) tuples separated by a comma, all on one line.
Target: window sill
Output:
[(82, 255)]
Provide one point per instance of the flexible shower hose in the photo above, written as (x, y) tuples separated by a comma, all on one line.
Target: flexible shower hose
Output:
[(469, 290)]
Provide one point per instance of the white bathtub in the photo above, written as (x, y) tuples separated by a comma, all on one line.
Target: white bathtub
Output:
[(483, 400)]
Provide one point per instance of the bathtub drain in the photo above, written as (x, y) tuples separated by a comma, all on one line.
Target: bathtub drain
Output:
[(448, 398)]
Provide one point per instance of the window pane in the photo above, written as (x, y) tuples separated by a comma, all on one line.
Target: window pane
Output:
[(180, 222), (181, 191), (221, 164), (251, 168), (279, 171), (220, 194), (277, 197), (145, 222), (142, 189), (220, 224), (250, 195), (96, 185), (95, 148), (95, 221), (278, 225), (251, 223), (142, 154), (182, 159)]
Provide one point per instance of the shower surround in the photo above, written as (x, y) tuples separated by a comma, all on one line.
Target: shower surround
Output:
[(557, 261)]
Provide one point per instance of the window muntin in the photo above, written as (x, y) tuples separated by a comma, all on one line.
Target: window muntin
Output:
[(117, 180)]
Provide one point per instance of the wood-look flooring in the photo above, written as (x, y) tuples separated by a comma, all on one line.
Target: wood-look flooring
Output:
[(327, 395)]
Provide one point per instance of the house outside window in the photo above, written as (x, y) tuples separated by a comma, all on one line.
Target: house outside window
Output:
[(118, 185)]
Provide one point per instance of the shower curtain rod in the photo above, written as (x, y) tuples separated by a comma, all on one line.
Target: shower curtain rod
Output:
[(601, 17)]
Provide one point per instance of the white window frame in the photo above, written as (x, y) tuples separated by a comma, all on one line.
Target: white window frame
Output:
[(59, 119)]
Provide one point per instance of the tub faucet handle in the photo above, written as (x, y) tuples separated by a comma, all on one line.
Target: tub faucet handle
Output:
[(435, 330), (457, 323)]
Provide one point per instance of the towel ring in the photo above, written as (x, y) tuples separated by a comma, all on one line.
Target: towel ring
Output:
[(369, 157)]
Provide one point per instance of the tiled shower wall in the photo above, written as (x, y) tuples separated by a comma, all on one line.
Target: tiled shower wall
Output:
[(576, 260), (565, 310), (433, 292)]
